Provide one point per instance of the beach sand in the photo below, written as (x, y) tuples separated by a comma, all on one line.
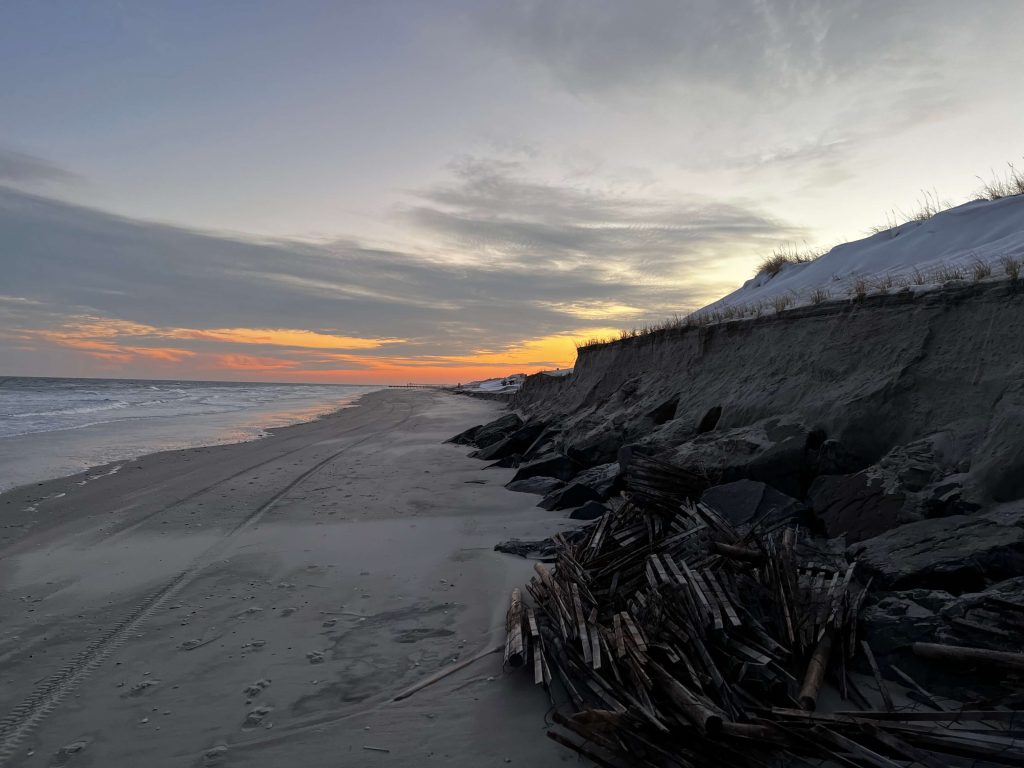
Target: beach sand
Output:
[(261, 604)]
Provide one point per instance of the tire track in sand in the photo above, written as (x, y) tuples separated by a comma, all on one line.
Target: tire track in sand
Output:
[(49, 693)]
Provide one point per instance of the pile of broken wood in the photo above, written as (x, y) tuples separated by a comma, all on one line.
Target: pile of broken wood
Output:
[(682, 641)]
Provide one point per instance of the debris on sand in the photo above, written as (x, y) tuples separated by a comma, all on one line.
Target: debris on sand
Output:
[(141, 687), (684, 640)]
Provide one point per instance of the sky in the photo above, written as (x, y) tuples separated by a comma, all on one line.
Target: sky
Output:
[(435, 192)]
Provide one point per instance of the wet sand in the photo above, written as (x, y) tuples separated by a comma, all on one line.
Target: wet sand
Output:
[(262, 604)]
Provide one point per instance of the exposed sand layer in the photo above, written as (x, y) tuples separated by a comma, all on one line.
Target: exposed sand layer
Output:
[(261, 604), (872, 375)]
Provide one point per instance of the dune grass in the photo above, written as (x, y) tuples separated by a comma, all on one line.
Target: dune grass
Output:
[(1009, 184)]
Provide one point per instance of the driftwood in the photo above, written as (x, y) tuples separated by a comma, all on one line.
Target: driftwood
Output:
[(681, 640), (442, 674), (515, 653), (959, 655)]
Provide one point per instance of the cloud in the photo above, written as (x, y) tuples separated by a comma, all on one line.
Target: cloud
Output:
[(761, 46), (18, 168), (561, 232), (489, 241)]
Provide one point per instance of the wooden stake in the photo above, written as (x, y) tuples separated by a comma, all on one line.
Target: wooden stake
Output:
[(815, 673)]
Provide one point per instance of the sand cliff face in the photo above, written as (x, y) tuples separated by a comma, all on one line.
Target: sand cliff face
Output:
[(827, 390)]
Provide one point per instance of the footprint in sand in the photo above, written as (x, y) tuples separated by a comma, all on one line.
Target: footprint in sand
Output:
[(141, 687), (214, 755), (256, 716), (254, 690)]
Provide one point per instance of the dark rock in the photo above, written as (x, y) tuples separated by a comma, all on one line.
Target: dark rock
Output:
[(592, 510), (529, 433), (499, 449), (855, 505), (604, 479), (897, 620), (536, 484), (958, 554), (543, 444), (511, 461), (909, 483), (946, 498), (558, 466), (466, 437), (770, 451), (746, 501), (829, 457), (572, 495), (598, 447), (497, 430), (517, 441)]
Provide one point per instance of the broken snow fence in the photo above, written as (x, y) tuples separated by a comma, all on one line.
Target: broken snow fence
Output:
[(681, 640)]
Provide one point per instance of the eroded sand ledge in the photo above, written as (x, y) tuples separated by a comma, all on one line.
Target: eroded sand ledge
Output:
[(325, 569)]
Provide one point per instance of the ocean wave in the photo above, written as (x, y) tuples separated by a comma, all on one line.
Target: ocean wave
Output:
[(105, 406)]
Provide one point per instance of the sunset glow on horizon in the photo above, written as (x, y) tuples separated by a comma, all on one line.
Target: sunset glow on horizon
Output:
[(400, 191), (287, 355)]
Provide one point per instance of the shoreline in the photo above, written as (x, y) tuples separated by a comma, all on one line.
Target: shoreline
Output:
[(323, 569), (12, 447)]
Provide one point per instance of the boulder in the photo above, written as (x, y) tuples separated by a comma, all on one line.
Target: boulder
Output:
[(542, 445), (536, 484), (786, 455), (558, 466), (960, 553), (911, 482), (592, 510), (514, 443), (746, 501), (496, 430), (466, 437), (572, 495), (508, 462), (857, 505), (597, 447), (604, 479), (897, 620), (499, 449)]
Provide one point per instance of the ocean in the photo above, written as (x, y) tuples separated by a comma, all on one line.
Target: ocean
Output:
[(55, 427)]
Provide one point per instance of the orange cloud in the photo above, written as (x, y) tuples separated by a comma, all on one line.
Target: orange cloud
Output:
[(105, 350), (306, 355), (234, 362), (279, 337)]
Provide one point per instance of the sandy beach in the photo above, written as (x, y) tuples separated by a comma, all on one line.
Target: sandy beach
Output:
[(262, 604)]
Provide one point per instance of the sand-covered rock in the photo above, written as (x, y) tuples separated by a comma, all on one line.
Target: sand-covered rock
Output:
[(747, 501), (572, 495), (496, 430), (592, 510), (960, 553), (557, 465), (536, 484), (603, 479)]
